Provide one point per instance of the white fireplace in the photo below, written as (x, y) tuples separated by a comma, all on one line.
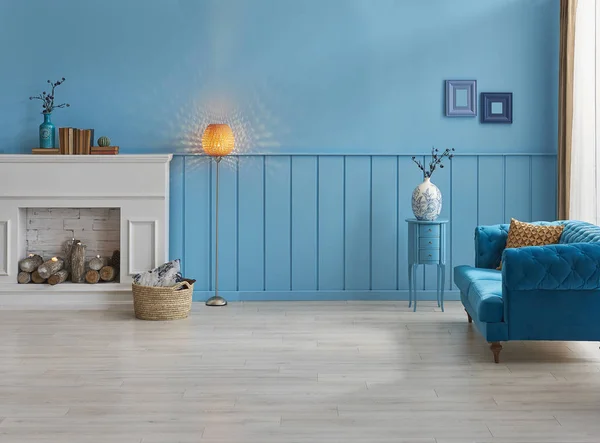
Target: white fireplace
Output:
[(111, 202)]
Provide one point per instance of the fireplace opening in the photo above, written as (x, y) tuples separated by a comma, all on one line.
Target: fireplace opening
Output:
[(49, 232)]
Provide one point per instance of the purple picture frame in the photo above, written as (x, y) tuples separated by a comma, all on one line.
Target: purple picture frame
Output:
[(461, 98), (496, 107)]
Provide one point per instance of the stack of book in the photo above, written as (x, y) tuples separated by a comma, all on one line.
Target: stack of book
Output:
[(104, 150), (75, 141)]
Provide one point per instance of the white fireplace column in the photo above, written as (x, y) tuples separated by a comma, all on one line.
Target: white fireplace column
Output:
[(136, 184)]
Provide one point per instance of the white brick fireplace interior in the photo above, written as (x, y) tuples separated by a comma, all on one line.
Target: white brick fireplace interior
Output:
[(106, 202), (49, 229)]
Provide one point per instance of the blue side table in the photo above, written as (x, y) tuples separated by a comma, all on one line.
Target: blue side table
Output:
[(426, 246)]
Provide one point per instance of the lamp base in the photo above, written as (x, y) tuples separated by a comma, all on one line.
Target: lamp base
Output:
[(216, 300)]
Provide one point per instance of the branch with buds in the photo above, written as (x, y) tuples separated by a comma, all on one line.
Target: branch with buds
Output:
[(436, 160), (48, 99)]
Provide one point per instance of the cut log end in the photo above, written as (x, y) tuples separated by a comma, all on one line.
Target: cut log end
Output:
[(24, 277), (58, 278), (92, 276), (37, 278), (108, 273)]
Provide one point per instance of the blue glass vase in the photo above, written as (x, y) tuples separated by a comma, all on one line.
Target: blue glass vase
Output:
[(47, 132)]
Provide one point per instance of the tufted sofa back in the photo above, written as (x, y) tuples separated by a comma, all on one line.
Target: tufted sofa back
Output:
[(490, 241), (580, 232)]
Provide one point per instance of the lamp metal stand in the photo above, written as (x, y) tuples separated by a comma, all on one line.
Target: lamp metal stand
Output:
[(216, 300)]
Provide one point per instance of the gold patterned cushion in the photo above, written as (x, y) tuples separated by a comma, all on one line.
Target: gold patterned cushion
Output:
[(521, 234)]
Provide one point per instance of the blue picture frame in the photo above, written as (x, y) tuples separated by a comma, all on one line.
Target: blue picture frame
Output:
[(461, 98), (496, 107)]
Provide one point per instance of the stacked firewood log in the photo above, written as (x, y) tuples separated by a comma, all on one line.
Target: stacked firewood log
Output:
[(56, 270), (35, 270)]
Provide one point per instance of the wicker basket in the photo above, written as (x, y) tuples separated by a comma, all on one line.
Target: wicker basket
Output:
[(159, 303)]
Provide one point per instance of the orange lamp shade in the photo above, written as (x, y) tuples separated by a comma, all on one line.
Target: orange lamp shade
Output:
[(218, 140)]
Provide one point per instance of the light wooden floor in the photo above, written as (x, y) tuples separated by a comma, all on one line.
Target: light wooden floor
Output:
[(288, 372)]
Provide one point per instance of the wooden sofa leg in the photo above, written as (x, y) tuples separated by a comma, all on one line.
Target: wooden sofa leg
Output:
[(469, 317), (496, 347)]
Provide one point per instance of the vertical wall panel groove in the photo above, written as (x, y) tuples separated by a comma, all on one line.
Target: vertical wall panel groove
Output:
[(304, 226), (504, 189), (490, 190), (370, 223), (344, 226), (384, 226), (251, 224), (478, 190), (264, 226), (530, 188), (318, 257), (464, 209), (278, 224), (518, 192), (543, 188), (398, 270), (291, 175), (331, 222), (358, 229)]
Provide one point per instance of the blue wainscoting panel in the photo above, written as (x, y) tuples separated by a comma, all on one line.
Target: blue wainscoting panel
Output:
[(304, 223), (543, 187), (358, 223), (518, 188), (331, 223), (198, 222), (464, 210), (251, 227), (384, 222), (278, 223), (490, 191), (228, 224), (331, 227)]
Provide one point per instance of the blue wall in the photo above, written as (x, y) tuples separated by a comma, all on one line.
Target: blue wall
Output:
[(307, 86)]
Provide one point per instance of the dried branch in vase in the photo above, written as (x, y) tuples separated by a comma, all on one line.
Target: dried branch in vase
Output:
[(48, 99), (436, 160)]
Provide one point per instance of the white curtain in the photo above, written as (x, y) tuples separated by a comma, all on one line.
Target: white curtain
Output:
[(585, 179)]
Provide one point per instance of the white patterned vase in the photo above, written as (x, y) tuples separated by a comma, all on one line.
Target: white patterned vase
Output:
[(426, 201)]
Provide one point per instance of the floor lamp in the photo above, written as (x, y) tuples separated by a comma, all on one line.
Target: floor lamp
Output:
[(217, 142)]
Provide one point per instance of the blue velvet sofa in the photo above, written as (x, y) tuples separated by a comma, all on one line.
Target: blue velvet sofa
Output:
[(542, 293)]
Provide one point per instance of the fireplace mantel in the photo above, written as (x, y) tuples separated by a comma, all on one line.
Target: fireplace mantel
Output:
[(137, 184)]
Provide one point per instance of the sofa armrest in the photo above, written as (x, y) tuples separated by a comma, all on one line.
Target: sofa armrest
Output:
[(490, 241), (562, 267)]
